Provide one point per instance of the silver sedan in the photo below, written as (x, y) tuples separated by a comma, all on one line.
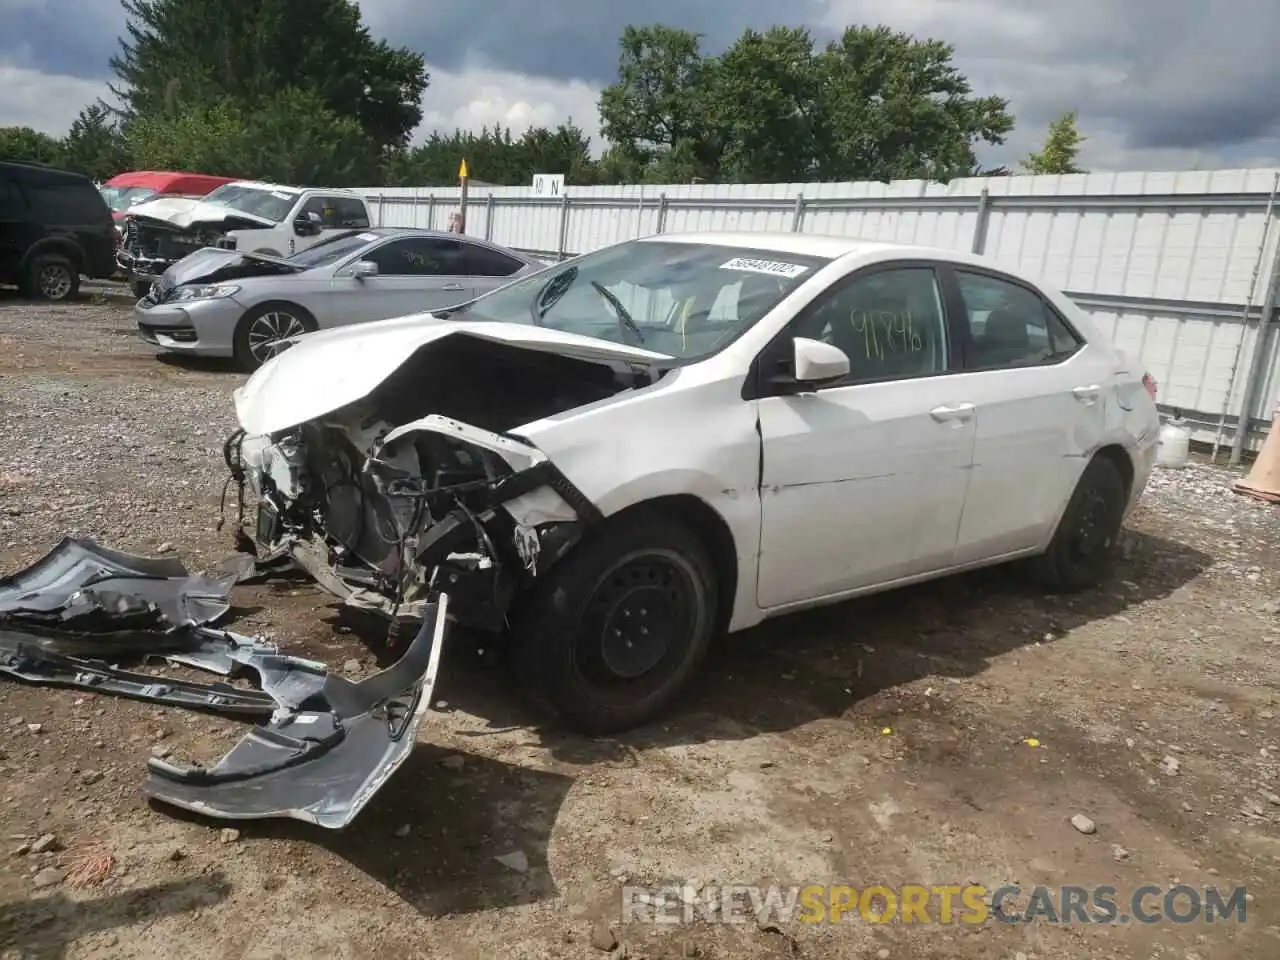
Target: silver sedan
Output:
[(229, 303)]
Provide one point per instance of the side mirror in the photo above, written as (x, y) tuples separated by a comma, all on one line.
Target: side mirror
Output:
[(307, 225), (818, 363), (364, 269)]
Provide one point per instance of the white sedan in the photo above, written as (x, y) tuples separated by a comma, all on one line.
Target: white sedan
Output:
[(611, 460)]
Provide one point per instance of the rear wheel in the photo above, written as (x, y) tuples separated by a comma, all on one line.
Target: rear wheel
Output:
[(618, 628), (1082, 552), (52, 277), (263, 331)]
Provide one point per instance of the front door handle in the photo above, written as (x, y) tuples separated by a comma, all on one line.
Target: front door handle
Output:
[(1087, 394), (452, 286), (952, 411)]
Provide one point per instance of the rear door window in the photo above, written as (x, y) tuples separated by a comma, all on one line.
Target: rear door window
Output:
[(478, 261), (66, 203)]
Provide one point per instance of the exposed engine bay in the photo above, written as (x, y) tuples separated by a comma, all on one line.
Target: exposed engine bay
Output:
[(150, 245), (417, 488)]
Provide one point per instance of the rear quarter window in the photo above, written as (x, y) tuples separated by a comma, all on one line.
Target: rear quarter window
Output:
[(67, 203)]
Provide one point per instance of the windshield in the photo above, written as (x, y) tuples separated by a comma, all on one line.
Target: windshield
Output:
[(120, 199), (685, 300), (332, 249), (271, 205)]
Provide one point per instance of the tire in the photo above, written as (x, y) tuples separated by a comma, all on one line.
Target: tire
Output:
[(140, 288), (1083, 550), (642, 567), (289, 320), (52, 277)]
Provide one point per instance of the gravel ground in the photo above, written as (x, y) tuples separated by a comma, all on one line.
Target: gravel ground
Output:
[(879, 742)]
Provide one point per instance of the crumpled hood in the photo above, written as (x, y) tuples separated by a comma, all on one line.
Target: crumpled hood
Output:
[(328, 370), (182, 212), (214, 265)]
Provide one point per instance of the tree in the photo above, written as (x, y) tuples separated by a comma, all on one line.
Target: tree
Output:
[(1060, 150), (762, 100), (657, 105), (95, 146), (292, 138), (184, 54), (895, 108), (874, 105), (26, 144)]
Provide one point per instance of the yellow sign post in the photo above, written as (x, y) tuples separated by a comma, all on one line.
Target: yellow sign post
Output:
[(463, 177)]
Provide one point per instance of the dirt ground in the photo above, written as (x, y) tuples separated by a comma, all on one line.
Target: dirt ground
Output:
[(879, 742)]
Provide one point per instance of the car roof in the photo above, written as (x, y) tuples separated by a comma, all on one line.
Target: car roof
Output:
[(294, 191), (164, 178), (45, 171), (833, 247)]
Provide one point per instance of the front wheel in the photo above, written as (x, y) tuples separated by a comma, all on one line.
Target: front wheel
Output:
[(53, 277), (264, 331), (617, 629), (1083, 548)]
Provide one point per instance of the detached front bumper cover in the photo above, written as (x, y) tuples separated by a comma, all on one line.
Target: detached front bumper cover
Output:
[(325, 744)]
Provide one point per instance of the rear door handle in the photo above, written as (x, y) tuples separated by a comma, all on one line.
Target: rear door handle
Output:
[(452, 286), (952, 411), (1087, 394)]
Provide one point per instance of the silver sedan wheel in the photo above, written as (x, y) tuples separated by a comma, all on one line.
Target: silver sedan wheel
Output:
[(54, 281), (268, 333)]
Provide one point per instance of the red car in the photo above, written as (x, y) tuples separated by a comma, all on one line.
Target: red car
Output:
[(125, 189)]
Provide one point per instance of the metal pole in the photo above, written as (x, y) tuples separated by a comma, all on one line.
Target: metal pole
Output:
[(797, 215), (1257, 370), (431, 212), (662, 212), (488, 217), (980, 227), (462, 202), (1242, 428), (564, 227)]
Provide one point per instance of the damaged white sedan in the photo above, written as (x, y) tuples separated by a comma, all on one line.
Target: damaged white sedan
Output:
[(611, 460)]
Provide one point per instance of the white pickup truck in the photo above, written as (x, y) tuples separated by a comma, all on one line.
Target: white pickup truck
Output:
[(245, 215)]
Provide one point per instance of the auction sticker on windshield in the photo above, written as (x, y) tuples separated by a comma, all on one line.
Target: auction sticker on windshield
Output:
[(773, 268)]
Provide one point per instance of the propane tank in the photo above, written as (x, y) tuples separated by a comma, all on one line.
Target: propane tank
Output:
[(1175, 443)]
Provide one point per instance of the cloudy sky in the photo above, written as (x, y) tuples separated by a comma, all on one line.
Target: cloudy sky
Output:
[(1158, 84)]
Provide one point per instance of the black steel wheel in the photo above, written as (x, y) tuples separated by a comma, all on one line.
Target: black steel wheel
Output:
[(1082, 552), (619, 626)]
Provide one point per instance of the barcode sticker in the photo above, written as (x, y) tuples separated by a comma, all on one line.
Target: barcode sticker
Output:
[(773, 268)]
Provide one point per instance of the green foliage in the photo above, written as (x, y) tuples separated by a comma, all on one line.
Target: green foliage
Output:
[(23, 143), (200, 52), (1060, 150), (297, 91), (874, 105)]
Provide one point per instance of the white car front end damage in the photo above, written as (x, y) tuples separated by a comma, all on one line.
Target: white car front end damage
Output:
[(386, 503)]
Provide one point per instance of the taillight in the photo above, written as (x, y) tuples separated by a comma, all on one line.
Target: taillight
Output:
[(1149, 382)]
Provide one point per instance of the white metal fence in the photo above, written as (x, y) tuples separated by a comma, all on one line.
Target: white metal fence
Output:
[(1179, 267)]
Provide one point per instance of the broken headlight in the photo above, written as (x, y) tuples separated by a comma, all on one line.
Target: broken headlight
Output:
[(214, 291)]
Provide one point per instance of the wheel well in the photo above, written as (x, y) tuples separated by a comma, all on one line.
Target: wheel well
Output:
[(63, 247), (710, 527), (302, 312), (1120, 457)]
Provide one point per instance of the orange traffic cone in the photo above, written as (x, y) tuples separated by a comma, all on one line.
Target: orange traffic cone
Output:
[(1263, 481)]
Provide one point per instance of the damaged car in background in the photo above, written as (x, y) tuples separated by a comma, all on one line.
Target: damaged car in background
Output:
[(247, 215), (322, 744), (227, 303), (610, 461)]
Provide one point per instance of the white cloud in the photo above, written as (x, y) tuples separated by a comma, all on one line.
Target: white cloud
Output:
[(466, 100), (48, 103), (475, 98)]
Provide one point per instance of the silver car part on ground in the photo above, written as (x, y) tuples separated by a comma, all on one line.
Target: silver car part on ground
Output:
[(330, 745)]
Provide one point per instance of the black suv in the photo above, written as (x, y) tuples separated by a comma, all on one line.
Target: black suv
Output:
[(54, 226)]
